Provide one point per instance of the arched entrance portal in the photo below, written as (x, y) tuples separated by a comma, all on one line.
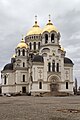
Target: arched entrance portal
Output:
[(54, 85)]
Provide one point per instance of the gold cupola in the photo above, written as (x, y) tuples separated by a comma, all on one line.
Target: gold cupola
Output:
[(14, 55), (35, 30), (22, 44), (62, 49), (49, 27)]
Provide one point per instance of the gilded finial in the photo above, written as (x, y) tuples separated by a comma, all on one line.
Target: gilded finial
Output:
[(49, 17), (49, 20), (22, 38), (35, 25), (35, 17)]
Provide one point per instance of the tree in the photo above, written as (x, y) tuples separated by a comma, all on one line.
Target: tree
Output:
[(79, 88), (75, 84), (75, 88)]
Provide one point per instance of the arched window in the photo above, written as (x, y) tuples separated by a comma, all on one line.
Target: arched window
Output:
[(57, 69), (18, 52), (34, 37), (5, 79), (23, 64), (66, 85), (30, 45), (53, 66), (31, 56), (23, 52), (40, 85), (46, 38), (34, 45), (49, 67), (52, 38), (38, 45), (23, 78)]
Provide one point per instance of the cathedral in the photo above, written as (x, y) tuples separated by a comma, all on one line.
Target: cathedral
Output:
[(39, 64)]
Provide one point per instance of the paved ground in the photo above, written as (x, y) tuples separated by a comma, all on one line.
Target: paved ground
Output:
[(39, 108)]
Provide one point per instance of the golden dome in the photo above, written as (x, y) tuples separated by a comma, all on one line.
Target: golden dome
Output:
[(49, 27), (35, 30), (22, 44)]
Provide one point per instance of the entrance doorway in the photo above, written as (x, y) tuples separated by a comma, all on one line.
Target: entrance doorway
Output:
[(23, 89), (54, 83), (54, 87)]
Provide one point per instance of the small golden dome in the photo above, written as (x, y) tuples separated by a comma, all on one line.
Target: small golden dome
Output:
[(35, 30), (14, 56), (22, 44), (49, 27), (62, 49)]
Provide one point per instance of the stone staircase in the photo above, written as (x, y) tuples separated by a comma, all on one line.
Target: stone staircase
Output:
[(56, 93)]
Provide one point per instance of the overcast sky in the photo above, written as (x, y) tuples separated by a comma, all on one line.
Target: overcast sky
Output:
[(17, 17)]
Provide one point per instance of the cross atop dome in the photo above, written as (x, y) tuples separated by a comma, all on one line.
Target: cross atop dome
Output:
[(49, 18), (35, 17), (22, 38)]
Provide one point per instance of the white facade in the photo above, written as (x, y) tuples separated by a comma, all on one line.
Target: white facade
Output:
[(39, 64)]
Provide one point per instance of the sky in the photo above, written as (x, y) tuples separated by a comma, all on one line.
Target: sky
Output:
[(17, 17)]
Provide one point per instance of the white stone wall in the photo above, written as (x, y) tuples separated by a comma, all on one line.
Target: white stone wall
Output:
[(35, 87), (19, 76), (63, 87), (69, 73), (38, 72), (5, 89), (8, 89)]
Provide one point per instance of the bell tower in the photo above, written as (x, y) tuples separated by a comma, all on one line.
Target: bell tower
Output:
[(22, 54)]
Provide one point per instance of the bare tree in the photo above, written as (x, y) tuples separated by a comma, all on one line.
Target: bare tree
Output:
[(75, 88)]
